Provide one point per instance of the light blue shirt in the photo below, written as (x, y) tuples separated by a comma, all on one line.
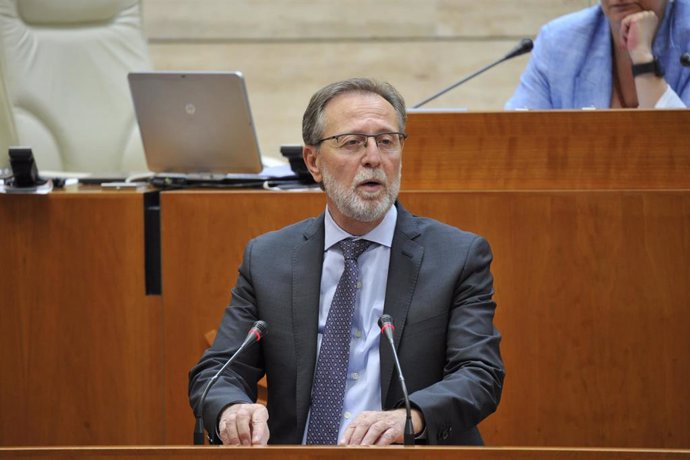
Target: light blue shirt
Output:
[(363, 386)]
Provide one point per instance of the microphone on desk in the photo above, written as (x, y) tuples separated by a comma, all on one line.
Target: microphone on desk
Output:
[(257, 331), (387, 328), (685, 59), (525, 46)]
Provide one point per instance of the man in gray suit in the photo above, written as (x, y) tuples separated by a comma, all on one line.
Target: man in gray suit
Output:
[(433, 279)]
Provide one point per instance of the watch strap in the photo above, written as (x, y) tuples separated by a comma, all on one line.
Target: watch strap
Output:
[(648, 67)]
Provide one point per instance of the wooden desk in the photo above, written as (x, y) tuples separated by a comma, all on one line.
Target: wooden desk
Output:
[(80, 343), (335, 453), (591, 269), (552, 150), (592, 299)]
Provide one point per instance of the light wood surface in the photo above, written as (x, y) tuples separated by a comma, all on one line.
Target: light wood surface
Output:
[(633, 149), (80, 343), (336, 453)]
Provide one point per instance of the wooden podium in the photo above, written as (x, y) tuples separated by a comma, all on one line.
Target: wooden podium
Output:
[(588, 215), (339, 453)]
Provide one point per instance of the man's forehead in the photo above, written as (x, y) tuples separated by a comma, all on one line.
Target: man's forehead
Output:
[(358, 104)]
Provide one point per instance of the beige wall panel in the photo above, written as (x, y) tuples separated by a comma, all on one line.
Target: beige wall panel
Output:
[(500, 17), (282, 77), (290, 48), (309, 19)]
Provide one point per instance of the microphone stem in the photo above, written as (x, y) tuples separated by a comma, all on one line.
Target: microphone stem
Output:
[(408, 436), (469, 77), (199, 425)]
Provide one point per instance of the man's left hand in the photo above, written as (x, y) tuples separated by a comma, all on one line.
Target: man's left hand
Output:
[(380, 428)]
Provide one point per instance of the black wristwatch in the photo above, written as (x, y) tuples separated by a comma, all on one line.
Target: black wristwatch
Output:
[(648, 67)]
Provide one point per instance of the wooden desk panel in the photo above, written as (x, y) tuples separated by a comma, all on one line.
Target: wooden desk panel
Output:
[(603, 149), (339, 453), (79, 342), (203, 240), (592, 293)]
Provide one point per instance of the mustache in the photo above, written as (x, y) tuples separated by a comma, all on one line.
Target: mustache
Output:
[(367, 175)]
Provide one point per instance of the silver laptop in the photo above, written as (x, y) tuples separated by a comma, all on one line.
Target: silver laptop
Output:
[(195, 123)]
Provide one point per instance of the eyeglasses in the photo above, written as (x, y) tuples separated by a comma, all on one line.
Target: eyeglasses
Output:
[(356, 142)]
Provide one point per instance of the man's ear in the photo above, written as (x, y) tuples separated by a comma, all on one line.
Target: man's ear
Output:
[(309, 154)]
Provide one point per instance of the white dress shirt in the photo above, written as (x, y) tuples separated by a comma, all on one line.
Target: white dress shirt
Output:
[(363, 386)]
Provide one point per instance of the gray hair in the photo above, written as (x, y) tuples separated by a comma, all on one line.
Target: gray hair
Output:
[(314, 118)]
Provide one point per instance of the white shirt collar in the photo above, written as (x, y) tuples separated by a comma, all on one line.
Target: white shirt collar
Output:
[(382, 234)]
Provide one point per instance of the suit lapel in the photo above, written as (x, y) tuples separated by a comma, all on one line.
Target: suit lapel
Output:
[(405, 262), (306, 281)]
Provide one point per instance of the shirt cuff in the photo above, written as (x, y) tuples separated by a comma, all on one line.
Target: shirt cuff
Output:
[(669, 100)]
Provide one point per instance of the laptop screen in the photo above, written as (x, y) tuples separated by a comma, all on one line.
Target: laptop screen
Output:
[(195, 122)]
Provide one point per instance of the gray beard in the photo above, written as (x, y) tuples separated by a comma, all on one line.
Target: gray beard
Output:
[(357, 207)]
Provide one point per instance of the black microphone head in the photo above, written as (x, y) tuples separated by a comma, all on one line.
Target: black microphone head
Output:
[(685, 59), (385, 320), (261, 327), (525, 46)]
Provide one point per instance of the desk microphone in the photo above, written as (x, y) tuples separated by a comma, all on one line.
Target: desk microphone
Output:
[(525, 46), (257, 331), (387, 328), (685, 59)]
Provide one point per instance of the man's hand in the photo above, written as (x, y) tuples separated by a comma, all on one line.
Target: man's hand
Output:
[(380, 428), (244, 425), (637, 35)]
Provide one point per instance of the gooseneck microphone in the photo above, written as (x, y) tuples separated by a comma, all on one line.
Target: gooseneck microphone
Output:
[(387, 328), (525, 46), (685, 59), (257, 331)]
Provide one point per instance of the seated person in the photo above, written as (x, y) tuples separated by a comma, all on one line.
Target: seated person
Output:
[(618, 54), (322, 284)]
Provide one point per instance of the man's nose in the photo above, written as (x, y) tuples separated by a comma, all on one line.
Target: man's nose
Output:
[(372, 154)]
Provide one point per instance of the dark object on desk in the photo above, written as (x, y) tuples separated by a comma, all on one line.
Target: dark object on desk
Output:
[(24, 170), (103, 178), (294, 155), (685, 59)]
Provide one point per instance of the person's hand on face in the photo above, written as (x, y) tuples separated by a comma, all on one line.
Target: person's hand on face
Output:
[(637, 35)]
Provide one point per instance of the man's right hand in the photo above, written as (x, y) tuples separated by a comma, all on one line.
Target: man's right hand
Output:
[(244, 425)]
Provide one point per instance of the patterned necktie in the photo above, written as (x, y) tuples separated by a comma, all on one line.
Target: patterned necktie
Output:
[(331, 368)]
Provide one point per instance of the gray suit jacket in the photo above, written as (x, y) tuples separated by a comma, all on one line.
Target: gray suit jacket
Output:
[(438, 292)]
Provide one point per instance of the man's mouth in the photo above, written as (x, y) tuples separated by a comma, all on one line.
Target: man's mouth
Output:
[(370, 185)]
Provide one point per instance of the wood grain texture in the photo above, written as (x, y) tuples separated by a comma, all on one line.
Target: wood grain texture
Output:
[(592, 295), (547, 150), (79, 341), (336, 453)]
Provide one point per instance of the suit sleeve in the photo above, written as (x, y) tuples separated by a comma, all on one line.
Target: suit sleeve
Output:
[(473, 373), (533, 91), (238, 383)]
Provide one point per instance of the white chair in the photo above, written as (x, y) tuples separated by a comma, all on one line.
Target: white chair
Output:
[(63, 88)]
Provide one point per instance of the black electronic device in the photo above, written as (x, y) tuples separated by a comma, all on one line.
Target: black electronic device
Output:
[(293, 153), (24, 170), (685, 59)]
